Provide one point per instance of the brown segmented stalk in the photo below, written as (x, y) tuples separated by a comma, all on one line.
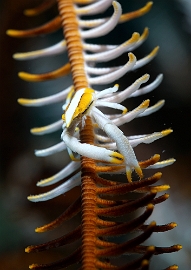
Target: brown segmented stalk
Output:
[(74, 43), (88, 195), (88, 187)]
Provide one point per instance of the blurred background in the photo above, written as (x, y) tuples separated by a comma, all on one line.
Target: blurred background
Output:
[(169, 24)]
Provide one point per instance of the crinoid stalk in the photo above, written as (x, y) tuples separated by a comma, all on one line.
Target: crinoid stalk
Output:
[(106, 210)]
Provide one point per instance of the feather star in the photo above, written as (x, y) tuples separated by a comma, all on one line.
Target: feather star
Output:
[(114, 148)]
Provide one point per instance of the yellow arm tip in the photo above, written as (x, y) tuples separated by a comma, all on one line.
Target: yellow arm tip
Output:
[(27, 249), (13, 33), (154, 51), (150, 206), (132, 57), (30, 77), (145, 103), (38, 130), (22, 101), (30, 12), (161, 188), (39, 230), (26, 102), (166, 132), (33, 266), (135, 37), (173, 225), (137, 13)]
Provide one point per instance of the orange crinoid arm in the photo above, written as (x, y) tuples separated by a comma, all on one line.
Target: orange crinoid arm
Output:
[(95, 142)]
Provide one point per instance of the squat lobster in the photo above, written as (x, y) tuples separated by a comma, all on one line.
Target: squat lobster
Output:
[(85, 102)]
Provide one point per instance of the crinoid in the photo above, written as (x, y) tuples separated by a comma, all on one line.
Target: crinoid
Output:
[(106, 209)]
